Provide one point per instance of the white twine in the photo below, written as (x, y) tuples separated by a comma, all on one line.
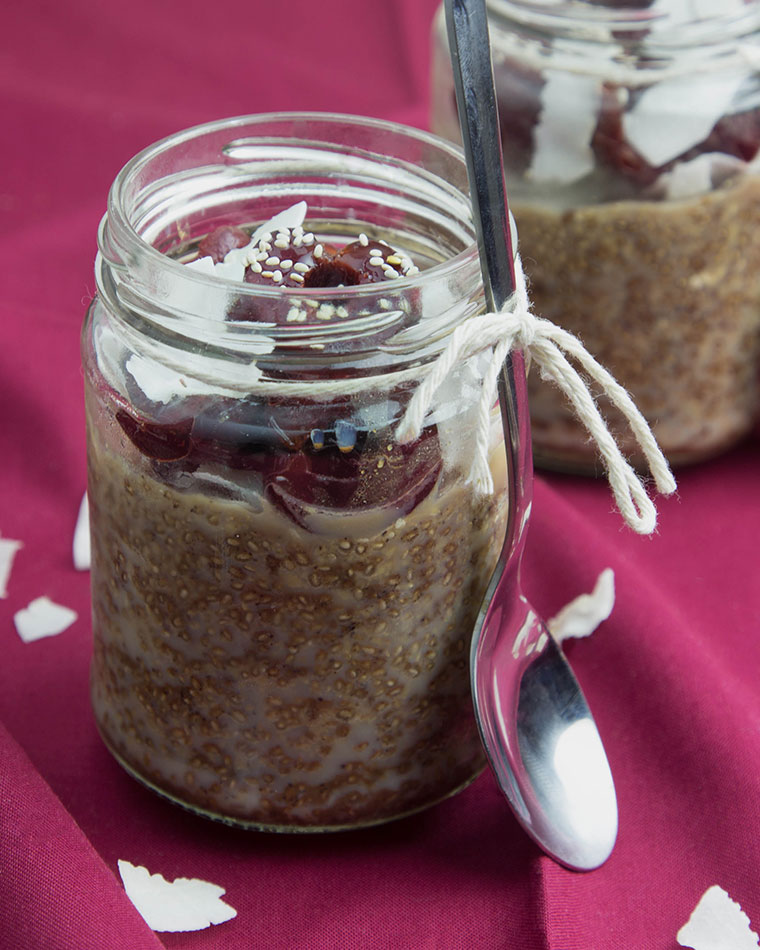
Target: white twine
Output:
[(549, 345)]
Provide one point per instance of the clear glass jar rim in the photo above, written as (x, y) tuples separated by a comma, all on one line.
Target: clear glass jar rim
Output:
[(129, 240)]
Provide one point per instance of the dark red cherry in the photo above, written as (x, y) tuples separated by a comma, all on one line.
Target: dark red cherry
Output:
[(400, 476), (518, 92), (221, 241), (610, 146), (737, 135), (325, 479), (165, 442), (283, 267), (239, 434), (332, 272), (383, 475)]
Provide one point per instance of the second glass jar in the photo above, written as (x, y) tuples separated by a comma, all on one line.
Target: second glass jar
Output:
[(630, 135)]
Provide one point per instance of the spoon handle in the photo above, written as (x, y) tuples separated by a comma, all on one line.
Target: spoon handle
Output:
[(469, 43), (467, 25)]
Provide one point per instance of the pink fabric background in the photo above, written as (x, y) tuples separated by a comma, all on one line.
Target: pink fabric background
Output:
[(672, 676)]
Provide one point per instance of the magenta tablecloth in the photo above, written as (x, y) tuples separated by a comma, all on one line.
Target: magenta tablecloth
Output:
[(672, 676)]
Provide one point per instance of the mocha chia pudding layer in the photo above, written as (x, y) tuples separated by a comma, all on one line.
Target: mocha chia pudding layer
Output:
[(666, 295), (283, 595)]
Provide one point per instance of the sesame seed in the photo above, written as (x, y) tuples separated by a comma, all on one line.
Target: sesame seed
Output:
[(277, 276), (394, 259), (298, 278), (286, 264), (308, 238), (272, 261), (326, 311), (390, 271), (301, 268), (412, 271), (282, 243), (341, 311), (318, 251), (256, 267), (363, 239), (267, 273)]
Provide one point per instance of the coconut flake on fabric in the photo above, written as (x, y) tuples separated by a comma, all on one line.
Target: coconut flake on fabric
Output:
[(80, 547), (176, 906), (718, 923), (583, 615), (42, 618), (562, 140), (676, 114), (8, 549)]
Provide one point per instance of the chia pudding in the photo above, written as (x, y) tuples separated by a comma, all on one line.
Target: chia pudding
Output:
[(631, 137), (283, 594)]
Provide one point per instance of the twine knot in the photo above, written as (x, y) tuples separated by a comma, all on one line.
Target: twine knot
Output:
[(526, 325), (515, 327)]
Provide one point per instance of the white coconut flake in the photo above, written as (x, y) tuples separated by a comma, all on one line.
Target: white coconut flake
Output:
[(162, 383), (204, 265), (717, 923), (42, 618), (8, 549), (698, 176), (676, 114), (562, 140), (80, 547), (292, 217), (231, 268), (583, 615), (174, 906), (110, 353)]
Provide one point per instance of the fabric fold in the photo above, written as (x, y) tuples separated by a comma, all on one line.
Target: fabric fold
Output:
[(55, 891)]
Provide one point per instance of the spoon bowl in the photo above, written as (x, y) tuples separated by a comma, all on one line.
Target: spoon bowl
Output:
[(539, 735)]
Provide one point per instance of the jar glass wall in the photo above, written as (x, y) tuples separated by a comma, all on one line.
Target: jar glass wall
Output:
[(283, 593), (630, 135)]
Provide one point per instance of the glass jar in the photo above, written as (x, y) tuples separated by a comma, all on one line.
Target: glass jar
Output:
[(283, 593), (630, 136)]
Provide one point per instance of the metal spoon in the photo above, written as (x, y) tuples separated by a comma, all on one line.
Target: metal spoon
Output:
[(538, 732)]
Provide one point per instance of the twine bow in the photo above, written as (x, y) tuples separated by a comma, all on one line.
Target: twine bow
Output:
[(549, 346)]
